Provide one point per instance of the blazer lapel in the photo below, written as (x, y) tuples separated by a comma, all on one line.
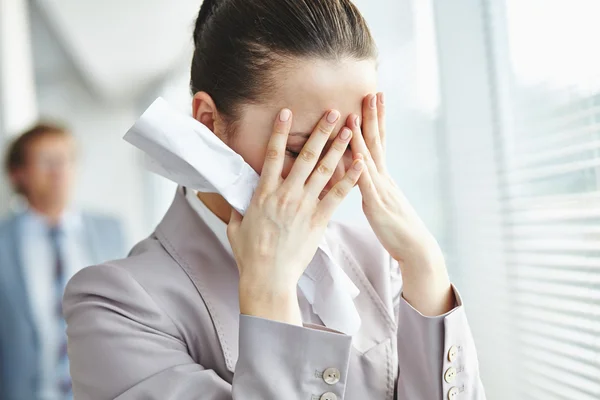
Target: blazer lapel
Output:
[(377, 321), (213, 271)]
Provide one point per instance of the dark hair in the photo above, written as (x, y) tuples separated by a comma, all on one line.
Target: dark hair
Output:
[(17, 151), (239, 44)]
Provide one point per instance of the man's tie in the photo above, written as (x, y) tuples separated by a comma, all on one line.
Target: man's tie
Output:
[(63, 378)]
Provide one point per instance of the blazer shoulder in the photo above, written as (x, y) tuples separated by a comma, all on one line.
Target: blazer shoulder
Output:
[(108, 292), (149, 279), (147, 263)]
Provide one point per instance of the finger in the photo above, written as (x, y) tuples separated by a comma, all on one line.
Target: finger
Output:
[(358, 145), (370, 130), (324, 171), (340, 190), (367, 187), (381, 120), (275, 154), (308, 157)]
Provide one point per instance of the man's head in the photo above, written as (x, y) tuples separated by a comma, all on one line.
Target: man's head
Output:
[(40, 166)]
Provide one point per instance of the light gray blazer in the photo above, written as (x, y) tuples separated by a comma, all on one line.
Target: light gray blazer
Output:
[(165, 324)]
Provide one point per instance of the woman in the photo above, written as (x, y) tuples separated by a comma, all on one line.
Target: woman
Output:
[(208, 306)]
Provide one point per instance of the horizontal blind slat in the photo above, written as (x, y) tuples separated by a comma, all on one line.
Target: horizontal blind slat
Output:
[(530, 174), (564, 276), (529, 159), (554, 200), (555, 245), (567, 334), (564, 377), (578, 358), (546, 378), (584, 294), (552, 260)]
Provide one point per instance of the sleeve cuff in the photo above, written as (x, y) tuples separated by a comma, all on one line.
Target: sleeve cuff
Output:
[(279, 360), (457, 305)]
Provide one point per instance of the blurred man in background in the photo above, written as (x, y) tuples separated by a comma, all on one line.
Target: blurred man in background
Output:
[(41, 247)]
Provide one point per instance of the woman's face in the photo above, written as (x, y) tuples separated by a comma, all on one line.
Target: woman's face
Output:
[(309, 89)]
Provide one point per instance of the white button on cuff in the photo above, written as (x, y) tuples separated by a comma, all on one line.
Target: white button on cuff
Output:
[(331, 376), (450, 375), (452, 353), (453, 393), (328, 396)]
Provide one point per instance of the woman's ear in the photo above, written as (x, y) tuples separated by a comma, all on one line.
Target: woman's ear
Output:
[(204, 109)]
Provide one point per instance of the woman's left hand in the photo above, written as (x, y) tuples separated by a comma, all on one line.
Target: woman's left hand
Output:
[(402, 233)]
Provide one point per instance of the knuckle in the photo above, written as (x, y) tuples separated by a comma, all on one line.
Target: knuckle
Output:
[(324, 169), (370, 115), (318, 220), (324, 129), (308, 203), (338, 191), (284, 199), (272, 154), (280, 128), (353, 177), (307, 155), (340, 146), (260, 196)]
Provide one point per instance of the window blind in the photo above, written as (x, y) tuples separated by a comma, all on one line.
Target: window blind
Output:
[(550, 175)]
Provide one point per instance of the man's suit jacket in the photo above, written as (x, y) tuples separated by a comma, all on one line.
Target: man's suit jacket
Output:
[(165, 324), (19, 336)]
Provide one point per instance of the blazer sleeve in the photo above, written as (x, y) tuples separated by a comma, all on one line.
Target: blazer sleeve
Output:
[(121, 345), (436, 355)]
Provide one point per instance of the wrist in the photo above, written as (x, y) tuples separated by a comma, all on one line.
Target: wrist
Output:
[(274, 303), (426, 284), (424, 258)]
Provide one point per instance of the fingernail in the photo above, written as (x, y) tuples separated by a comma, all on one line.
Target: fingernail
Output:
[(285, 115), (373, 101), (357, 121), (345, 134), (358, 165), (382, 98), (332, 116)]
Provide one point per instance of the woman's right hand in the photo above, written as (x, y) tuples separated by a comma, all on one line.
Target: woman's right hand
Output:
[(278, 236)]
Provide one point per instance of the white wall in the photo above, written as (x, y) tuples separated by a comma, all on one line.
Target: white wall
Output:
[(111, 180)]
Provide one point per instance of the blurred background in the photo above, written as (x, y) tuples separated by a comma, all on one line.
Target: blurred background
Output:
[(494, 136)]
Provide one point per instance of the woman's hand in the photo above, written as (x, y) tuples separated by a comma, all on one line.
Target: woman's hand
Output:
[(398, 227), (279, 234)]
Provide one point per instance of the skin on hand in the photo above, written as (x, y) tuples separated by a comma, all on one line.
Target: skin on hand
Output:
[(287, 217), (402, 233)]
